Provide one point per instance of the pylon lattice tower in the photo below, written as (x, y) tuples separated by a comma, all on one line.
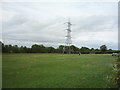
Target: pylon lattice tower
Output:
[(68, 37)]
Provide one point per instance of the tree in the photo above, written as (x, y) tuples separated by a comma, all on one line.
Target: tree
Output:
[(103, 48), (15, 49), (38, 48), (1, 44), (92, 50), (74, 49), (50, 50), (85, 50), (61, 48)]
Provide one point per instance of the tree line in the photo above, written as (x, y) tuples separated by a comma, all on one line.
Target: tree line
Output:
[(61, 49)]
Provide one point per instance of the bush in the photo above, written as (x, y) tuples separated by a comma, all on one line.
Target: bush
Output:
[(117, 78), (114, 79)]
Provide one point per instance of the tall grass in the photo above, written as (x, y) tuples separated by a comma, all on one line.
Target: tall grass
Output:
[(117, 78), (114, 78)]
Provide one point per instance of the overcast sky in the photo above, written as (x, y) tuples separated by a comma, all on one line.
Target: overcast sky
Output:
[(28, 23)]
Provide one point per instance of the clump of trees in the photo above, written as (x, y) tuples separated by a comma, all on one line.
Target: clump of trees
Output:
[(103, 48), (23, 49), (61, 49)]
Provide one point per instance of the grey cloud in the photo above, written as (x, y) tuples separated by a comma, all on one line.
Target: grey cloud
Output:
[(49, 30), (96, 44), (96, 23)]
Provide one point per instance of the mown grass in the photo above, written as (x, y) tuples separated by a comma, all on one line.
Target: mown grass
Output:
[(56, 70)]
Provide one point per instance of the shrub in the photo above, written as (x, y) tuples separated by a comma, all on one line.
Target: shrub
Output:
[(117, 77), (114, 79)]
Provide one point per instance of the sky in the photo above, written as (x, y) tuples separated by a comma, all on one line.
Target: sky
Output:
[(28, 23)]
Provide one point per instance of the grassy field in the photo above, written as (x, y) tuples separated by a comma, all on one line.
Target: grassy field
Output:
[(56, 70)]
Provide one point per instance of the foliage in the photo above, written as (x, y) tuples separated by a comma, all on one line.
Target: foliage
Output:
[(117, 68), (114, 78), (61, 49), (103, 48), (85, 50)]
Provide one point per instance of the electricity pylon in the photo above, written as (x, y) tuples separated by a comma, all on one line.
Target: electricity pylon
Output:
[(68, 36)]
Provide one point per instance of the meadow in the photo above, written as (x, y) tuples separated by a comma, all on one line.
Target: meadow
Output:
[(56, 70)]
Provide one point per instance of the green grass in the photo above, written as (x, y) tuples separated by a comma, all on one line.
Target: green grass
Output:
[(56, 70)]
